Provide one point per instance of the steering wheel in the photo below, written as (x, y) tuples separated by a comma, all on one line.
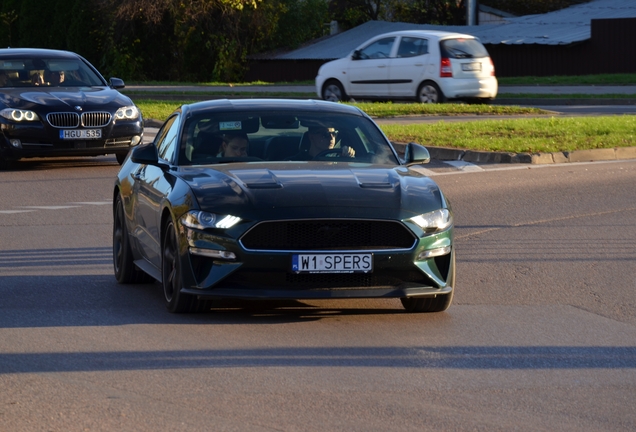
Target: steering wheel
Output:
[(335, 151)]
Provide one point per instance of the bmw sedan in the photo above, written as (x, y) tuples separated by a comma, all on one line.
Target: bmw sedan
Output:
[(281, 199), (422, 65), (55, 103)]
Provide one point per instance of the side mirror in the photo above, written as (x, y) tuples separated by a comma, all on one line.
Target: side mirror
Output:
[(145, 154), (416, 154), (355, 55), (117, 83)]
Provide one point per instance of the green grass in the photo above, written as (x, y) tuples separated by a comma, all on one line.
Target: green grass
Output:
[(160, 109), (521, 135)]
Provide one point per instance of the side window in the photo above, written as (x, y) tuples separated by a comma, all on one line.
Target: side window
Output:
[(378, 49), (167, 140), (411, 47)]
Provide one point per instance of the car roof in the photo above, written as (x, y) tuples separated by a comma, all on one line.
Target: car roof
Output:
[(36, 53), (435, 34), (292, 105)]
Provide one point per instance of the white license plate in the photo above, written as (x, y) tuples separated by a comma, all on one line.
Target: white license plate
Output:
[(74, 134), (471, 66), (332, 263)]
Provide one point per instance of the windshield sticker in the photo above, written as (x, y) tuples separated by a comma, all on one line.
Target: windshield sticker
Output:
[(235, 125)]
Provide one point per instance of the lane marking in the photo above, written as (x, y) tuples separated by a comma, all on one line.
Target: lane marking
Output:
[(464, 166)]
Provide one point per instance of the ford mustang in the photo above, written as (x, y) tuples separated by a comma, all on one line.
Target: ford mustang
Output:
[(281, 199), (55, 103)]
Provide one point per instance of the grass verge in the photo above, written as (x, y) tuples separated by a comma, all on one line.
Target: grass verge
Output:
[(533, 135), (546, 134)]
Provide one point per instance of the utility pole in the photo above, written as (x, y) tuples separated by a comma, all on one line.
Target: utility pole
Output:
[(472, 12)]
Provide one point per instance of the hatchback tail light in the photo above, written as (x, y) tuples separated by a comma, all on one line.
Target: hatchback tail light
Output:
[(445, 69), (492, 67)]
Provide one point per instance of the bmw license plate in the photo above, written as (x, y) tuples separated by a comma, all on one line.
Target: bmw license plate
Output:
[(476, 66), (75, 134), (332, 263)]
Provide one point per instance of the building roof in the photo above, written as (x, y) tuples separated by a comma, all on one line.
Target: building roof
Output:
[(561, 27)]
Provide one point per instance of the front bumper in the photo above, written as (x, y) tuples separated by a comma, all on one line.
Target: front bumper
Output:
[(39, 140), (269, 275)]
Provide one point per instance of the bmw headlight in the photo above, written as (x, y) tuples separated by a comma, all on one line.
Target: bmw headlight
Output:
[(434, 221), (19, 115), (201, 220), (127, 113)]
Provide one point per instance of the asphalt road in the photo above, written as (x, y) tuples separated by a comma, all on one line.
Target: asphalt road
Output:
[(541, 335)]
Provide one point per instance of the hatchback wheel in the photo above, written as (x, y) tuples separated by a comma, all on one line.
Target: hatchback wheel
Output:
[(333, 91), (429, 92)]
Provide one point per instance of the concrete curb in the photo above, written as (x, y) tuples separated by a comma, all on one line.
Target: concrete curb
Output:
[(485, 157)]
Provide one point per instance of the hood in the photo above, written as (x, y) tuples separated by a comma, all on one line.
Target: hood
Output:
[(63, 98), (290, 190)]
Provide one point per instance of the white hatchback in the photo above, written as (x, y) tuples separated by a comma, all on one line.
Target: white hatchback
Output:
[(428, 66)]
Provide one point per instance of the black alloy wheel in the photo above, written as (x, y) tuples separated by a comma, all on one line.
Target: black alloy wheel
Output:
[(176, 301)]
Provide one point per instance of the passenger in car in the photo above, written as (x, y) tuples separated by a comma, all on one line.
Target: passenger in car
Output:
[(4, 79), (320, 140), (235, 144)]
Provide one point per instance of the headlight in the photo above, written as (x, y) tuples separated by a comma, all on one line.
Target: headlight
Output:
[(434, 221), (201, 220), (127, 113), (19, 115)]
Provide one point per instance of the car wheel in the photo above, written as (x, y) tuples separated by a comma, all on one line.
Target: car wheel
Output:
[(121, 157), (126, 272), (333, 91), (176, 301), (429, 92), (432, 304)]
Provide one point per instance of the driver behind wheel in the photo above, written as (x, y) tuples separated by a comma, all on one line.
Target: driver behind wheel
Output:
[(322, 139)]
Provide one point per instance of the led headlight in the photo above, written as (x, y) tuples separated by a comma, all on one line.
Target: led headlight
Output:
[(434, 221), (201, 220), (127, 113), (19, 115)]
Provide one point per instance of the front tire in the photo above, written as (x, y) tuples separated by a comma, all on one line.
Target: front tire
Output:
[(333, 91), (126, 272), (429, 92), (176, 301), (121, 157)]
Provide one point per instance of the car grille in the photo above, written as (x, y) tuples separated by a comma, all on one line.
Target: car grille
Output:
[(330, 234), (289, 281), (72, 120)]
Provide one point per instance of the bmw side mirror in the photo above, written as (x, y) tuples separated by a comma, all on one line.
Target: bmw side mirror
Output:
[(117, 83), (416, 154), (145, 155)]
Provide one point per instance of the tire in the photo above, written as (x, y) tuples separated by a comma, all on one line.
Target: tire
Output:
[(429, 92), (121, 157), (176, 301), (126, 272), (333, 91), (6, 164), (432, 304)]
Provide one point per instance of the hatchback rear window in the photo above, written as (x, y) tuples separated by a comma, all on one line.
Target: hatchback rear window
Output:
[(462, 48)]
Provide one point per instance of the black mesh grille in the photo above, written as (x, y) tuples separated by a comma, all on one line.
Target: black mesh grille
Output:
[(328, 235), (280, 280), (63, 120), (95, 119)]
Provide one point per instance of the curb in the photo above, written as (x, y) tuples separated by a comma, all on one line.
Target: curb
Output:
[(485, 157)]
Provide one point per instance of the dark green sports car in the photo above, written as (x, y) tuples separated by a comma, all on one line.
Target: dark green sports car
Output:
[(281, 199)]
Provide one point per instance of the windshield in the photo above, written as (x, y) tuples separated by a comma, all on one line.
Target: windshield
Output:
[(47, 72), (283, 136)]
